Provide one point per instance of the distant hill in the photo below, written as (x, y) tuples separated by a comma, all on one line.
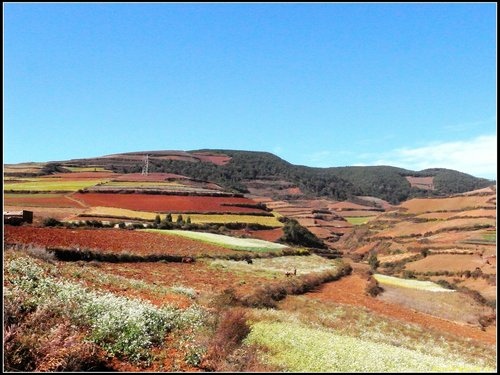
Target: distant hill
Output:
[(238, 170)]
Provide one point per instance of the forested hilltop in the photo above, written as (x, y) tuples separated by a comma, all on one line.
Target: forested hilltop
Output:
[(341, 183)]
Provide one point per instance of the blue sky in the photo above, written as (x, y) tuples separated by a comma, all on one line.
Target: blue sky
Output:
[(319, 84)]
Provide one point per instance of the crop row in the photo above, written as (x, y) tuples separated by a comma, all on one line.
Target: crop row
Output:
[(121, 213), (249, 244), (298, 348), (428, 286)]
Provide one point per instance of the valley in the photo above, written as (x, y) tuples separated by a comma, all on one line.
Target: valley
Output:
[(240, 261)]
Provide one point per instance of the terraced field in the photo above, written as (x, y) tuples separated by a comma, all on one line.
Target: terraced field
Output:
[(450, 262), (111, 212), (40, 200), (248, 244), (169, 203), (193, 288), (52, 184), (114, 241), (454, 204), (408, 228)]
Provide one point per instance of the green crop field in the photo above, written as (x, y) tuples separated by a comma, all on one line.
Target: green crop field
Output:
[(358, 220), (490, 236), (246, 244), (87, 169), (272, 267), (52, 184), (428, 286), (298, 348)]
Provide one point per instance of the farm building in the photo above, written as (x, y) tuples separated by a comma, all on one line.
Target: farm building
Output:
[(17, 217)]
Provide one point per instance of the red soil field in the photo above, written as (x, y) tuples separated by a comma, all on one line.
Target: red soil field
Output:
[(270, 235), (358, 213), (199, 276), (111, 241), (294, 191), (152, 177), (350, 290), (59, 213), (167, 203), (215, 159), (159, 300), (40, 200), (82, 175), (348, 206), (365, 249), (450, 262), (421, 182)]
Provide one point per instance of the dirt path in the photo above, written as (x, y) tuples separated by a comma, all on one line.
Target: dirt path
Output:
[(350, 290), (76, 201)]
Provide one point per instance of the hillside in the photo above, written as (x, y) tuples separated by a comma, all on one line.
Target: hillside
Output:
[(265, 174), (449, 239), (190, 268)]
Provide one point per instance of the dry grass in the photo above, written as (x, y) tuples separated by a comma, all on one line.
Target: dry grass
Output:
[(231, 330), (452, 306), (449, 262), (422, 205), (408, 228)]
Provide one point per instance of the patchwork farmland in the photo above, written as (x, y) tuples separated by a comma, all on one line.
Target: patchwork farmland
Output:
[(162, 272)]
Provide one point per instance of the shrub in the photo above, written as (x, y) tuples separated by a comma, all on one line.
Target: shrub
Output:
[(230, 332), (296, 234), (157, 220), (486, 320), (51, 222), (373, 288), (409, 274), (445, 284), (42, 339), (373, 260), (225, 299)]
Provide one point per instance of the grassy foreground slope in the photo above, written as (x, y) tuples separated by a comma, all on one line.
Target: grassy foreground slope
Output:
[(299, 348)]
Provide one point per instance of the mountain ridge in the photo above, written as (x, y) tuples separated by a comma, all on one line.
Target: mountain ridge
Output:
[(236, 169)]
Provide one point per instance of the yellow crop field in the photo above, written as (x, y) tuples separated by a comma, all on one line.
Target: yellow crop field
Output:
[(422, 205), (409, 228), (271, 221), (87, 169), (51, 184)]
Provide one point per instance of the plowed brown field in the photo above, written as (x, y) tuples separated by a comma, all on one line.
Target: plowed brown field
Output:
[(199, 276), (451, 262), (39, 200), (350, 290), (111, 241), (422, 205), (167, 203)]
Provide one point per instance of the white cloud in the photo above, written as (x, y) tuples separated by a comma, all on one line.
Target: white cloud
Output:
[(470, 125), (477, 157)]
